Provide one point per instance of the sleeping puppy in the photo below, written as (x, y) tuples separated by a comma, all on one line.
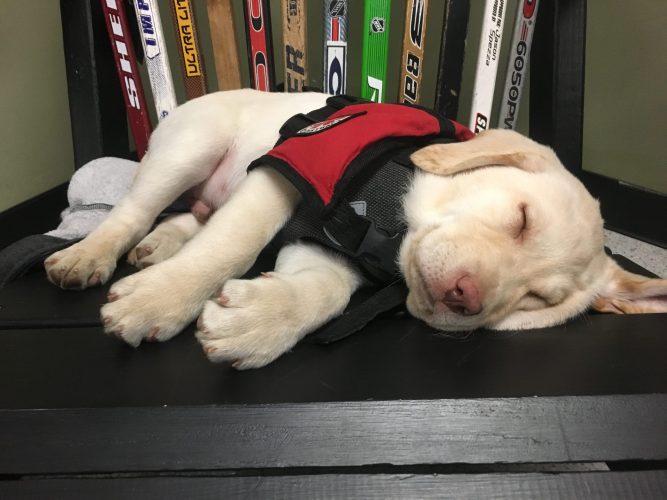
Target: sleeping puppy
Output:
[(500, 235)]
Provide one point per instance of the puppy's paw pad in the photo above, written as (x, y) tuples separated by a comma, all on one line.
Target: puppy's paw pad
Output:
[(79, 267), (242, 352)]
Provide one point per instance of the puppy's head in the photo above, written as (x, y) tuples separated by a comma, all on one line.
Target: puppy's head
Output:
[(505, 237)]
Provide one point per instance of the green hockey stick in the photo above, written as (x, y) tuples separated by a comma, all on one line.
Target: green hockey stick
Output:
[(375, 48)]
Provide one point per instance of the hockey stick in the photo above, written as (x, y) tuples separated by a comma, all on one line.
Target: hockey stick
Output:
[(522, 39), (260, 48), (157, 62), (452, 53), (487, 64), (223, 38), (115, 18), (414, 37), (375, 47), (294, 42), (188, 48), (335, 46)]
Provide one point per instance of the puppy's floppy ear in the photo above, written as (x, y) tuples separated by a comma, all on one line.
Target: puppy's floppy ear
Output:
[(628, 293), (491, 147)]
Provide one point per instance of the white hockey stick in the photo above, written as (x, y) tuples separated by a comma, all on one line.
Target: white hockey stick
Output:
[(487, 64), (335, 46), (155, 50), (522, 39)]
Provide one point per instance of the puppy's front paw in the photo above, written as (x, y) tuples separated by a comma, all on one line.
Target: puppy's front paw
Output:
[(251, 323), (158, 246), (80, 266), (154, 304)]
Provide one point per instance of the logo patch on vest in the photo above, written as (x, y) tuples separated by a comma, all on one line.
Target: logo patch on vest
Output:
[(327, 124)]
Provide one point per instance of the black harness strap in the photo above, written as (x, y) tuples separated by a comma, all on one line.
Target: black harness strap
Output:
[(387, 299), (298, 122), (374, 249), (23, 255)]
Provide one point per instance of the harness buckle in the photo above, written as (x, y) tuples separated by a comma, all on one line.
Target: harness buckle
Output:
[(378, 250)]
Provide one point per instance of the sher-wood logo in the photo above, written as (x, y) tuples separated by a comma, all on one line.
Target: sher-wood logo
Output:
[(122, 54)]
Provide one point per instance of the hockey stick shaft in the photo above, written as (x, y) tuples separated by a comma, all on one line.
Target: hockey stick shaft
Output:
[(115, 18), (192, 63), (335, 47), (155, 50), (452, 55), (223, 38), (375, 48), (487, 64), (260, 49), (414, 38), (294, 44), (522, 39)]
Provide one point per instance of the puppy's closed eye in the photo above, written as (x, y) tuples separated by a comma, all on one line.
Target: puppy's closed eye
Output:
[(532, 301), (520, 227)]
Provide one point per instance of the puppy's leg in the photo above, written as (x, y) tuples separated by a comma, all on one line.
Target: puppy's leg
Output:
[(162, 299), (165, 240), (174, 163), (254, 321)]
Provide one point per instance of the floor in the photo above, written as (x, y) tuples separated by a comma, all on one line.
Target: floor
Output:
[(648, 256)]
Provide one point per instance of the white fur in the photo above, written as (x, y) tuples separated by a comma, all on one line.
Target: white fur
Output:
[(461, 223)]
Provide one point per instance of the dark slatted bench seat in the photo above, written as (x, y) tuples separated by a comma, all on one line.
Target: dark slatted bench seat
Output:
[(395, 401), (394, 411)]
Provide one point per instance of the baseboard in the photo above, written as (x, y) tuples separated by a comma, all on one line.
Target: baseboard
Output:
[(33, 216)]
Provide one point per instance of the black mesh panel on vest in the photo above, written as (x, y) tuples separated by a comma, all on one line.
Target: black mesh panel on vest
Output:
[(379, 197)]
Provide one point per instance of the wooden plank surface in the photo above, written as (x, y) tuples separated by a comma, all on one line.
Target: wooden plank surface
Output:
[(643, 485), (347, 434), (394, 358)]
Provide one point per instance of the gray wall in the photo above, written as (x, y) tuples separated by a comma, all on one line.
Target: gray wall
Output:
[(625, 110), (35, 139)]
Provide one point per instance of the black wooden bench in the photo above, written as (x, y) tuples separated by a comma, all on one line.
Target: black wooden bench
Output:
[(395, 411)]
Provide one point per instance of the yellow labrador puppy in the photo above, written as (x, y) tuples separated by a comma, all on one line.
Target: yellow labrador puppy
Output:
[(500, 235)]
